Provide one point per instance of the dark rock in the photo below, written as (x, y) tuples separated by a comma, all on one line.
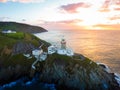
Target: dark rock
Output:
[(75, 76), (22, 47)]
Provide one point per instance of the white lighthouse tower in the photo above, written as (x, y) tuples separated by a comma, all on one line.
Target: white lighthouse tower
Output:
[(63, 44), (63, 49)]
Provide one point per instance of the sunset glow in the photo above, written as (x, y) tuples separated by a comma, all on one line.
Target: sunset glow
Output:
[(67, 14)]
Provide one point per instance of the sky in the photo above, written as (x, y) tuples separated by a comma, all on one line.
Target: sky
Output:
[(63, 14)]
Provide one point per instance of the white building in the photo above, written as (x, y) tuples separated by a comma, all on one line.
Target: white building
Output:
[(8, 31), (63, 50), (70, 52), (52, 49), (37, 52), (43, 56)]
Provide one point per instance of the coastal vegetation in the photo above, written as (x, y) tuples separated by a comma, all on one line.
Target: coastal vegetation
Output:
[(13, 64), (18, 35)]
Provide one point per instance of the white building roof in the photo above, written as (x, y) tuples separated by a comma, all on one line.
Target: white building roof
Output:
[(43, 56), (70, 52), (8, 31), (62, 51), (37, 52), (51, 49)]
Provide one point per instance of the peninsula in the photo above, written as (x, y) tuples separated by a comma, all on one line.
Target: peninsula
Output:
[(61, 66), (21, 27)]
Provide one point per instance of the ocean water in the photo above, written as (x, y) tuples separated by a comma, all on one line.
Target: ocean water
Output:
[(25, 83), (99, 45)]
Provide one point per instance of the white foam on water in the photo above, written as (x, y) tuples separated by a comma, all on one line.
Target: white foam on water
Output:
[(117, 78), (107, 69)]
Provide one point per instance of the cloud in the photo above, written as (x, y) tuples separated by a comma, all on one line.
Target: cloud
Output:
[(109, 5), (117, 9), (69, 21), (3, 0), (4, 18), (62, 25), (72, 8), (74, 21), (108, 26), (105, 6), (116, 17), (22, 1)]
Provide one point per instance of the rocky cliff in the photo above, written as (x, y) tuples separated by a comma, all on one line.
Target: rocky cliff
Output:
[(13, 64), (76, 74)]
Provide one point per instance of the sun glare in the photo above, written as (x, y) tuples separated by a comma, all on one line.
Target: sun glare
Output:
[(89, 16)]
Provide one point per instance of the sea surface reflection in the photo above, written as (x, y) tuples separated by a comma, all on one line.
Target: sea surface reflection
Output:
[(100, 46)]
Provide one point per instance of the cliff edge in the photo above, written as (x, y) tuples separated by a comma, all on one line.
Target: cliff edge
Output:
[(76, 74)]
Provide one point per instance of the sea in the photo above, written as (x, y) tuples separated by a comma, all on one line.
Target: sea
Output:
[(101, 46)]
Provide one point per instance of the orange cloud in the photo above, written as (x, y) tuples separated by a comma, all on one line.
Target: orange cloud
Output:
[(22, 1), (108, 26), (72, 8), (3, 0)]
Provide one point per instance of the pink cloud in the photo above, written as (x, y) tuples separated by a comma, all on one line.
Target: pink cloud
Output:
[(69, 21), (108, 3), (71, 8), (3, 0), (62, 25), (117, 9), (105, 6), (117, 2), (22, 1), (116, 17)]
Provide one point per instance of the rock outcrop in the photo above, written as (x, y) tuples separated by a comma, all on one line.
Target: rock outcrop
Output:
[(22, 47), (72, 74)]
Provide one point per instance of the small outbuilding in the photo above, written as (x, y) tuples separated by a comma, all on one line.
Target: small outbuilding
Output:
[(8, 31), (37, 52), (51, 49)]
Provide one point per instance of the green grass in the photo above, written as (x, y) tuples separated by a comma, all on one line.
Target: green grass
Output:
[(12, 38), (18, 59), (18, 35), (56, 58), (8, 41)]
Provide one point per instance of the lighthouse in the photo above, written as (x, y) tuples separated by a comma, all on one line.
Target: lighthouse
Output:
[(62, 50), (63, 44)]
